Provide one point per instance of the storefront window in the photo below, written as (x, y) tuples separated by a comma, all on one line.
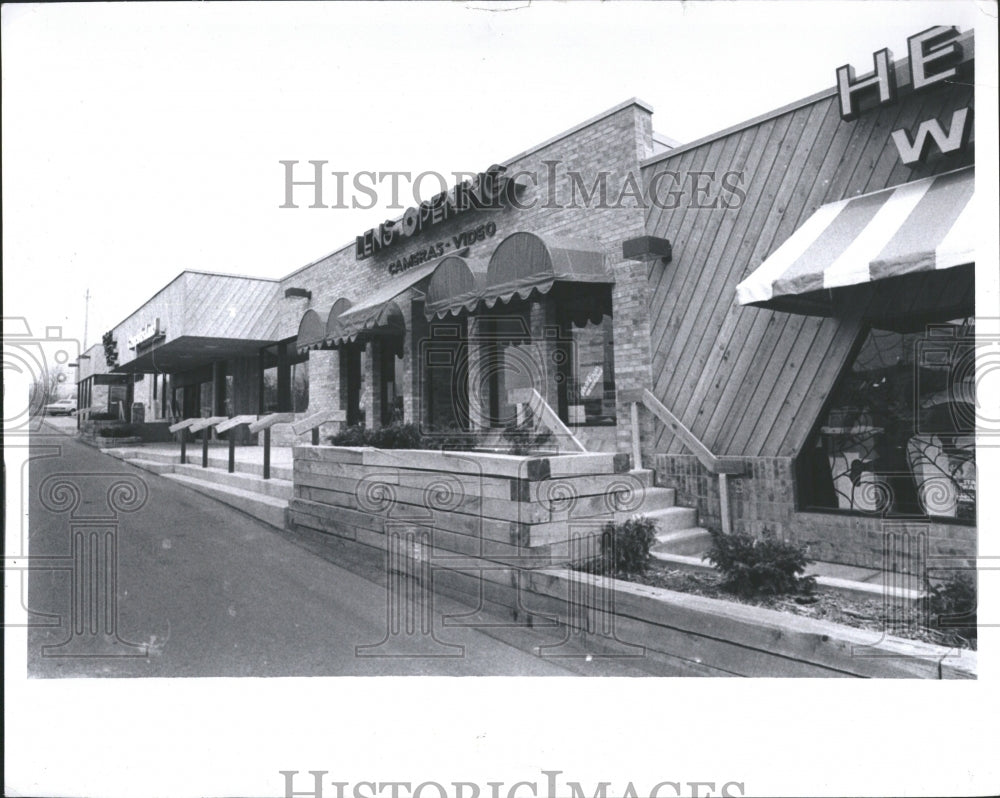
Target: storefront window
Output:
[(899, 435), (587, 384), (510, 360), (391, 372)]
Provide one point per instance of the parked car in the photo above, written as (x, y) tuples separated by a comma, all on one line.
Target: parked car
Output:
[(64, 407)]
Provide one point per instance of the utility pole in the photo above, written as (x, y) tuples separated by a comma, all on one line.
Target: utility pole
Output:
[(86, 316)]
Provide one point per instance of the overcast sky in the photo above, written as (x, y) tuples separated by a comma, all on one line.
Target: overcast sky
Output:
[(143, 139)]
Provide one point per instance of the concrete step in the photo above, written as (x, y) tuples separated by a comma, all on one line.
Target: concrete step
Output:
[(145, 454), (277, 488), (655, 499), (692, 542), (645, 475), (153, 466), (221, 462), (268, 509), (672, 519)]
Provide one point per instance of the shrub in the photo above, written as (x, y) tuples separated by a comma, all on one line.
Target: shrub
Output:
[(103, 416), (123, 431), (355, 435), (397, 436), (760, 566), (523, 439), (952, 605), (625, 547), (392, 436)]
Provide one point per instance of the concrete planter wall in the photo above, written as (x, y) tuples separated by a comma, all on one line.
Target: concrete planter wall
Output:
[(708, 636), (517, 512)]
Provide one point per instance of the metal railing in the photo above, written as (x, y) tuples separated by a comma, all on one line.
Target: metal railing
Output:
[(182, 427), (264, 425), (312, 423), (543, 411), (722, 467), (228, 425)]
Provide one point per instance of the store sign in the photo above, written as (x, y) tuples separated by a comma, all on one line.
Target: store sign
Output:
[(147, 333), (491, 189), (934, 55), (439, 249)]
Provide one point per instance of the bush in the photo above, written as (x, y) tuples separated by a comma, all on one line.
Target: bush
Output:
[(123, 431), (397, 436), (355, 435), (952, 605), (625, 547), (760, 566), (103, 416), (393, 436)]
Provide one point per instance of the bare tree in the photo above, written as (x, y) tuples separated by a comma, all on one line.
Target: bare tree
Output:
[(45, 387)]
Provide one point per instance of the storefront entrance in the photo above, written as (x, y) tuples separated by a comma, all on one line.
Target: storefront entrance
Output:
[(352, 382)]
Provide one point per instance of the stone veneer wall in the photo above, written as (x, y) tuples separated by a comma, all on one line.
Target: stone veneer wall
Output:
[(765, 499)]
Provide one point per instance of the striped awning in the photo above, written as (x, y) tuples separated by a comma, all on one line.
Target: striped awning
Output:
[(923, 226)]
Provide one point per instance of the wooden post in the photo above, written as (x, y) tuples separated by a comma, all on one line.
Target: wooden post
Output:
[(183, 446), (204, 448), (724, 504), (267, 453), (232, 451), (315, 436), (636, 443)]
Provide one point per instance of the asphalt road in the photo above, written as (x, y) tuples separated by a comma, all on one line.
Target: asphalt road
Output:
[(204, 590)]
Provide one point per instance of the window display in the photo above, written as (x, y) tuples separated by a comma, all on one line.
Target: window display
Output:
[(898, 437)]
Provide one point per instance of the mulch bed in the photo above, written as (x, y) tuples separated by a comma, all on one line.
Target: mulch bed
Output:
[(906, 619)]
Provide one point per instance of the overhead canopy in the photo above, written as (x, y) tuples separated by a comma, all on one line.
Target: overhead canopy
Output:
[(526, 262), (457, 284), (923, 226), (380, 314)]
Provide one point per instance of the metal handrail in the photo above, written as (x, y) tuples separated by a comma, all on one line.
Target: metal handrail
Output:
[(543, 411), (182, 427), (312, 423), (264, 425), (268, 421), (225, 427)]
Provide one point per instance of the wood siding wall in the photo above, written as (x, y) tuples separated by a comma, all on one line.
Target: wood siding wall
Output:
[(749, 381)]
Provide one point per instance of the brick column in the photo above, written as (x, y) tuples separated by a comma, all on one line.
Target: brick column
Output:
[(479, 398), (324, 386), (544, 337), (369, 385), (633, 357), (411, 350), (418, 331)]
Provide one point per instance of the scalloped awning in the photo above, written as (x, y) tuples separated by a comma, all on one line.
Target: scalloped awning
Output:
[(311, 331), (380, 314), (526, 262), (457, 284)]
